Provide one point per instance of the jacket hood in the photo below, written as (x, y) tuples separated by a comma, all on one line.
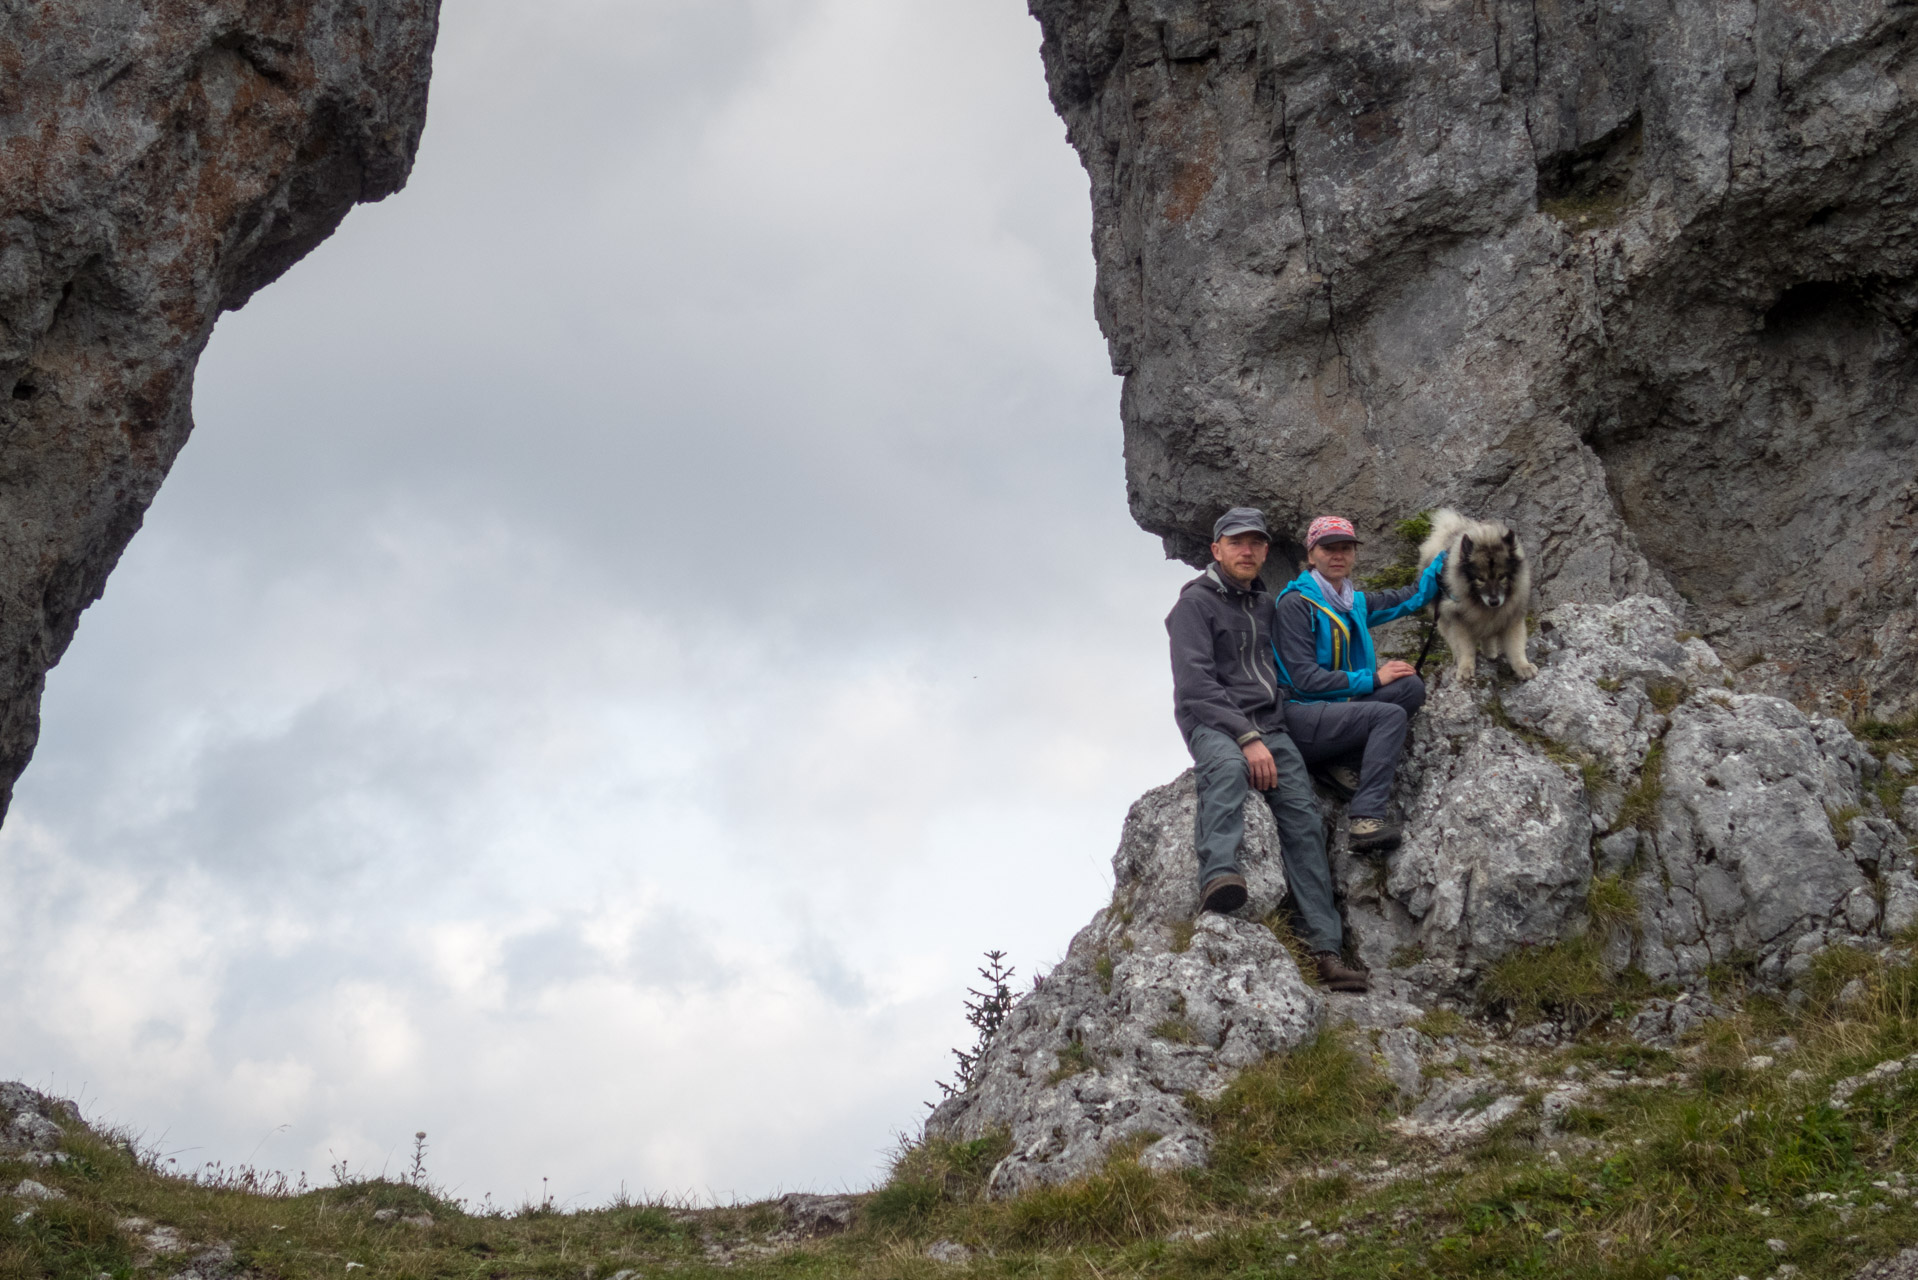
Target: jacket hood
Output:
[(1222, 583)]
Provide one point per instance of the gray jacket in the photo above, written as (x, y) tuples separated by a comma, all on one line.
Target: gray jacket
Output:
[(1223, 674)]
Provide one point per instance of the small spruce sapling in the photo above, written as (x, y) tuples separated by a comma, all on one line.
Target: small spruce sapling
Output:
[(986, 1011)]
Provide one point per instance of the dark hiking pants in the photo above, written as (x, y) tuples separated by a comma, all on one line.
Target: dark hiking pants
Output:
[(1370, 729), (1224, 778)]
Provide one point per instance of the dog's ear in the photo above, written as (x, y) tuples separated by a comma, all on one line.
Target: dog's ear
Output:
[(1465, 546), (1511, 539)]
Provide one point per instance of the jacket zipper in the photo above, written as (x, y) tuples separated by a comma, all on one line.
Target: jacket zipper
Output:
[(1245, 649)]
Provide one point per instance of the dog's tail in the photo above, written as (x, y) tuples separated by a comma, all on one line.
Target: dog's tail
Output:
[(1447, 524)]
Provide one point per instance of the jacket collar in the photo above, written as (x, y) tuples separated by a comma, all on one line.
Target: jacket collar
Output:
[(1305, 586), (1223, 583)]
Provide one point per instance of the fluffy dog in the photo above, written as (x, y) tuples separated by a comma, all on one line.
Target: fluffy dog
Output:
[(1488, 587)]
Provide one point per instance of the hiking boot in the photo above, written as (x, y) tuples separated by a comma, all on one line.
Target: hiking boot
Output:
[(1334, 973), (1372, 835), (1223, 894), (1342, 780)]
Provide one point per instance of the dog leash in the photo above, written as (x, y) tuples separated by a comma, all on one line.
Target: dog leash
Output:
[(1425, 650)]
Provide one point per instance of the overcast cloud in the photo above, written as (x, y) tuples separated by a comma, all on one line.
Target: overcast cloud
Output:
[(641, 611)]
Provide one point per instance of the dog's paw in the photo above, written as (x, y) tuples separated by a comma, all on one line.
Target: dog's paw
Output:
[(1523, 668), (1467, 668)]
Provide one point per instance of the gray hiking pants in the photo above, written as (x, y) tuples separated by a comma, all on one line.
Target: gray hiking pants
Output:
[(1224, 778), (1371, 728)]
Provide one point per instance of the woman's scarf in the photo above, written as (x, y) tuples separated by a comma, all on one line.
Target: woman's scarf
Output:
[(1340, 595)]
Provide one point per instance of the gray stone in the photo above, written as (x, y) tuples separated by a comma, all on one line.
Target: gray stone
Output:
[(1896, 763), (163, 164), (1617, 852), (1607, 272), (1908, 809), (1147, 1006), (1661, 1023), (1497, 849), (209, 1264), (1900, 1266), (28, 1189), (1748, 865), (27, 1119), (1599, 666), (1400, 1054), (948, 1251), (816, 1215)]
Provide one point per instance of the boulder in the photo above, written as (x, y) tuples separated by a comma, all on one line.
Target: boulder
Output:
[(1746, 860), (1748, 843), (29, 1120), (1497, 849), (1148, 1006)]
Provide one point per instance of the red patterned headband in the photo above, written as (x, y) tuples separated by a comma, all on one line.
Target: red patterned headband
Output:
[(1330, 529)]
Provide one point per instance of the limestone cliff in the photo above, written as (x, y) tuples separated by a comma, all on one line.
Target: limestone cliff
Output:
[(1639, 276), (159, 163)]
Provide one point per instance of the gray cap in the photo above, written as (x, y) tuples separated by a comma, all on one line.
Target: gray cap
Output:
[(1240, 520)]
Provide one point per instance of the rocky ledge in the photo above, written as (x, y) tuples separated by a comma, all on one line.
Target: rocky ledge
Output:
[(1639, 799)]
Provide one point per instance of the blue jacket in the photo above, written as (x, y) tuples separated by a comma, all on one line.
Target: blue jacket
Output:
[(1325, 654)]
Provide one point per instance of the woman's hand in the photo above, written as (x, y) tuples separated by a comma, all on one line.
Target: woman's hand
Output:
[(1393, 670)]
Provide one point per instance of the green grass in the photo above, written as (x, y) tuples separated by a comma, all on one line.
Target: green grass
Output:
[(1666, 693), (1611, 904), (1640, 806), (1841, 823), (1322, 1098), (1175, 1030), (1403, 570), (1072, 1060), (1182, 933), (1689, 1175), (1565, 979)]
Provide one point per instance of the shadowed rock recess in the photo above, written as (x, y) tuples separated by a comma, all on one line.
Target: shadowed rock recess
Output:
[(159, 163), (1639, 277)]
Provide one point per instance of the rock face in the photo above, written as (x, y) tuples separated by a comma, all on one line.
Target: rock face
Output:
[(1147, 1006), (162, 163), (1751, 834), (1638, 277)]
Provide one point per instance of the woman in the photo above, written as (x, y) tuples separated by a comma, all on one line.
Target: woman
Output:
[(1344, 705)]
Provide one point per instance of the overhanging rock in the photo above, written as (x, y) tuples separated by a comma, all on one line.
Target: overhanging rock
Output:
[(161, 164), (1639, 277)]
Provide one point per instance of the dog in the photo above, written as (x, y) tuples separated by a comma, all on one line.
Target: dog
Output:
[(1488, 587)]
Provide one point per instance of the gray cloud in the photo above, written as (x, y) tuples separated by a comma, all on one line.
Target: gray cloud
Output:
[(640, 612)]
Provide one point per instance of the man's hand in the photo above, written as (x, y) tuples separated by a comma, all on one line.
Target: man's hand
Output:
[(1394, 670), (1265, 770)]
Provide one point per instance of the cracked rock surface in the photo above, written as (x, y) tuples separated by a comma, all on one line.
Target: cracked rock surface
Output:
[(1639, 277), (162, 163), (1147, 1006), (1747, 830)]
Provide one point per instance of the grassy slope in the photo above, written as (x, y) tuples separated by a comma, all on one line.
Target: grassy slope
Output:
[(1689, 1176)]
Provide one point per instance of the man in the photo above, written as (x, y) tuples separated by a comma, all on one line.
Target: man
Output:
[(1230, 706), (1345, 705)]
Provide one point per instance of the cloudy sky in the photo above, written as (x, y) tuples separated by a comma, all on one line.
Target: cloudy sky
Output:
[(642, 610)]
